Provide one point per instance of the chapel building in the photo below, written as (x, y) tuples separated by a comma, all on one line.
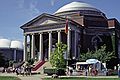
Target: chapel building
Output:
[(88, 29)]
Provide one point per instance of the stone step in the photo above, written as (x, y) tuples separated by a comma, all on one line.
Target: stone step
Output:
[(38, 65)]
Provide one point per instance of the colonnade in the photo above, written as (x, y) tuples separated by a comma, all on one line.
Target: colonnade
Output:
[(41, 44)]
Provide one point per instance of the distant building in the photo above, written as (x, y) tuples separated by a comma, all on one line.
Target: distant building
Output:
[(11, 50), (88, 28)]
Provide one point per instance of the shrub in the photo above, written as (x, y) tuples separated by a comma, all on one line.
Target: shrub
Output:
[(51, 71)]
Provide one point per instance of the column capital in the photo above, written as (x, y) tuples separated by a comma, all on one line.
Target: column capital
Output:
[(32, 34), (69, 29), (58, 30), (50, 32), (25, 34), (75, 30), (40, 33)]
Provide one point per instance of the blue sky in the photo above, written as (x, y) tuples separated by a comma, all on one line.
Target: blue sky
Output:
[(14, 13)]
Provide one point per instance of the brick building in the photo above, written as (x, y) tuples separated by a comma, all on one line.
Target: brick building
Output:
[(88, 28)]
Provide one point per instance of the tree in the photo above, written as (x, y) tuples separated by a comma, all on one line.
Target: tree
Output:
[(85, 56), (100, 54), (56, 58)]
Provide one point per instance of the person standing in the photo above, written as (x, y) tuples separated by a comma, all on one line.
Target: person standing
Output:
[(90, 70), (119, 70), (67, 71), (29, 70), (23, 70)]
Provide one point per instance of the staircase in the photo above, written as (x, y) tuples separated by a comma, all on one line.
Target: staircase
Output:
[(38, 65)]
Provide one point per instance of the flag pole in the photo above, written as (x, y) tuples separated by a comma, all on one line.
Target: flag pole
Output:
[(66, 31), (66, 26)]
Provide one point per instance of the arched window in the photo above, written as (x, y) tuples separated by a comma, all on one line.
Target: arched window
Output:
[(95, 41)]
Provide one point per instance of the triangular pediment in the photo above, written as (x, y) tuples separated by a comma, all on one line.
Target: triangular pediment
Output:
[(43, 19), (48, 22)]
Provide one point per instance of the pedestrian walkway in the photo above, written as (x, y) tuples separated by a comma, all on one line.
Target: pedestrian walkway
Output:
[(39, 76), (32, 77), (94, 76)]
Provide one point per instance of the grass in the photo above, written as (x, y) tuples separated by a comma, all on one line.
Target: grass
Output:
[(81, 78), (8, 78)]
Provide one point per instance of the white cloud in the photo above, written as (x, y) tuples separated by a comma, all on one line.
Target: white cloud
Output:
[(33, 7), (1, 37), (52, 2), (21, 4), (29, 7)]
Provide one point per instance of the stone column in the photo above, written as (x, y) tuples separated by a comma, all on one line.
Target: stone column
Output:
[(75, 45), (15, 55), (59, 36), (68, 43), (33, 46), (25, 48), (50, 45), (30, 45), (40, 46), (119, 50)]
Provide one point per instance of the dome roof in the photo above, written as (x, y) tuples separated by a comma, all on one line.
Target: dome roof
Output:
[(76, 6), (16, 44), (4, 43)]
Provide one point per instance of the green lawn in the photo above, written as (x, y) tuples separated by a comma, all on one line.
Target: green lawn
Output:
[(76, 78), (8, 78)]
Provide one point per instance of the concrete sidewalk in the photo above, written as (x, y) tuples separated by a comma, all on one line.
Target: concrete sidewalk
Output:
[(93, 76), (39, 76), (32, 77)]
